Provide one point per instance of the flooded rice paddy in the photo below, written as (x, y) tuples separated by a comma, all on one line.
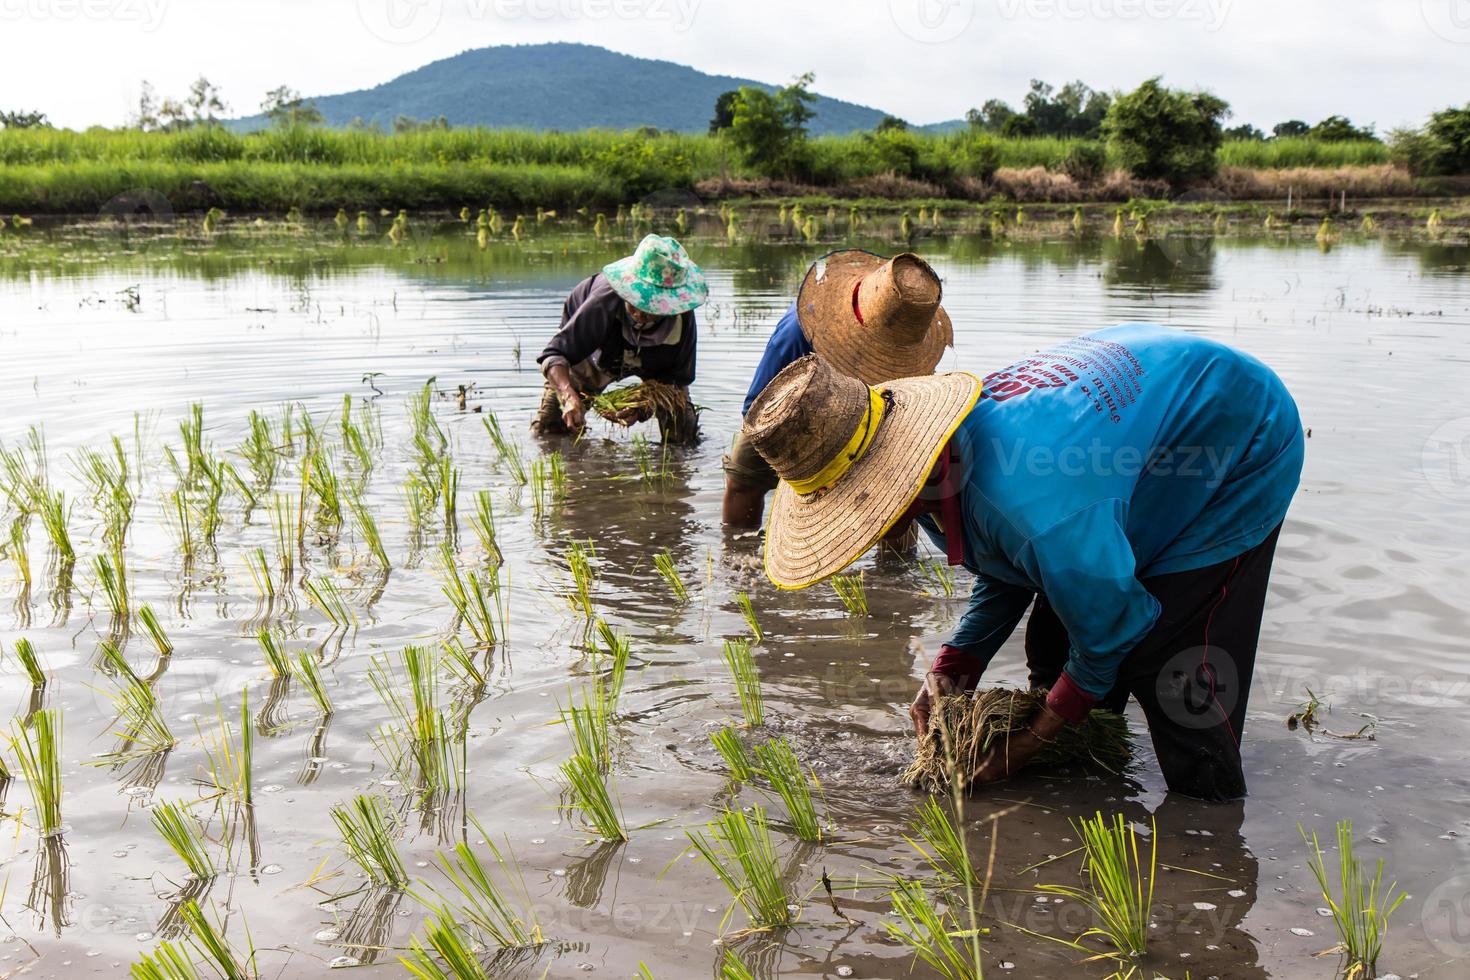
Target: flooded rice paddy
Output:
[(103, 334)]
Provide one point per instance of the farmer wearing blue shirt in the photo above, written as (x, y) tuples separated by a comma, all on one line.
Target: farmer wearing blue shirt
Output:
[(1127, 487), (873, 318)]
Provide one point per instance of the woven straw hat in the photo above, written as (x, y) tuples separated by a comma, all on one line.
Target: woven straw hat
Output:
[(851, 459), (659, 278), (874, 318)]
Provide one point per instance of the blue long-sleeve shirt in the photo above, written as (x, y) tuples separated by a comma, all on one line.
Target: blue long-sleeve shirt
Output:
[(787, 344), (1134, 451)]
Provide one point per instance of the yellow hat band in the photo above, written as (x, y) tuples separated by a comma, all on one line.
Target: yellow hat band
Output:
[(850, 453)]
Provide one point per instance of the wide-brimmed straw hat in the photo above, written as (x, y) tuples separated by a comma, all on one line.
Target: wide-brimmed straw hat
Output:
[(659, 278), (851, 459), (874, 318)]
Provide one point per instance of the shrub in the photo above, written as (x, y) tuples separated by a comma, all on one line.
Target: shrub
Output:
[(769, 128), (1085, 161), (1440, 148), (979, 156), (1165, 133), (205, 144), (643, 165)]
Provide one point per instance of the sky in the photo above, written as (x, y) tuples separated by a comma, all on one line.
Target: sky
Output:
[(1387, 62)]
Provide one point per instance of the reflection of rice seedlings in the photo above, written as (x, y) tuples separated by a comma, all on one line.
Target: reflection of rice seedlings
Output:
[(783, 771), (140, 722), (579, 556), (112, 576), (476, 597), (849, 589), (1361, 907), (592, 796), (938, 577), (747, 681), (181, 831), (368, 528), (36, 743), (307, 670), (1120, 892), (483, 521), (367, 827), (18, 552), (25, 652), (154, 628), (324, 594), (664, 562), (738, 847), (230, 760), (732, 749), (259, 451), (50, 892), (942, 844), (932, 934), (176, 961), (54, 512), (508, 449), (747, 609)]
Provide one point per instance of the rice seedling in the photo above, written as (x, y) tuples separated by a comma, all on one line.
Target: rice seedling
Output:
[(417, 741), (849, 589), (260, 573), (54, 513), (593, 797), (747, 681), (367, 828), (778, 763), (449, 493), (580, 557), (358, 440), (176, 961), (732, 967), (444, 941), (738, 848), (140, 724), (615, 648), (154, 629), (322, 481), (933, 935), (273, 645), (747, 609), (368, 528), (1120, 887), (489, 895), (323, 593), (181, 831), (24, 470), (507, 449), (540, 486), (476, 597), (483, 522), (214, 481), (1360, 907), (191, 430), (308, 671), (664, 562), (287, 533), (260, 452), (938, 577), (180, 519), (462, 663), (36, 743), (963, 728), (653, 476), (230, 757), (732, 749), (112, 577), (30, 661), (428, 438), (18, 552), (942, 844), (421, 496)]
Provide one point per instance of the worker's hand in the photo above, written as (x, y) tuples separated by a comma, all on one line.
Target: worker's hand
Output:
[(572, 412), (935, 686), (631, 415), (1011, 756)]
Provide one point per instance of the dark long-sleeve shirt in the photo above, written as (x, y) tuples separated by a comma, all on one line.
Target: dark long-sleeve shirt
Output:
[(595, 324)]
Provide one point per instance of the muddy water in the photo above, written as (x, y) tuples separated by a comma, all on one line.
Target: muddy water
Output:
[(1369, 607)]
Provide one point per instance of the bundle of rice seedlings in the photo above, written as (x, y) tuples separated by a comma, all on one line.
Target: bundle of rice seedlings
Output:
[(367, 827), (732, 967), (491, 897), (737, 845), (1362, 906), (179, 828), (747, 681), (646, 398), (259, 450), (273, 645), (418, 741), (963, 728), (593, 796)]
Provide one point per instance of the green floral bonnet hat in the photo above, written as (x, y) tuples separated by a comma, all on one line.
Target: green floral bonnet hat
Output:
[(659, 278)]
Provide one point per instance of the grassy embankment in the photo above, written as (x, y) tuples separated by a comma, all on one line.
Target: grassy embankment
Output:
[(317, 170)]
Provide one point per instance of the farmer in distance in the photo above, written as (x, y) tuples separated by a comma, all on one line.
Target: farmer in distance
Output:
[(1127, 487), (635, 317), (871, 317)]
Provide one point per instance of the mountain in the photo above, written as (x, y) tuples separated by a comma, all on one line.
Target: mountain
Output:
[(559, 86)]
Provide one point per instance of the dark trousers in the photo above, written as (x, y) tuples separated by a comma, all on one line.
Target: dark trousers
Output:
[(1191, 674)]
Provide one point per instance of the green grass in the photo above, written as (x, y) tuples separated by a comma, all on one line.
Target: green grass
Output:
[(367, 827), (778, 763), (1284, 152), (1360, 905), (179, 828), (36, 744), (738, 848), (1120, 886), (934, 936), (747, 681)]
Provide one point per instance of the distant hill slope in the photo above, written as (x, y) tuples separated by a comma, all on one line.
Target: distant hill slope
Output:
[(559, 86)]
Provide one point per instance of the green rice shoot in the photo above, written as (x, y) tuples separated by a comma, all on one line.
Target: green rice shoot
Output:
[(737, 846), (475, 595), (941, 843), (36, 744), (367, 827), (230, 755), (30, 661), (367, 528), (483, 523), (1360, 905), (509, 451), (307, 671), (747, 609), (580, 558), (1120, 886), (778, 763), (155, 631), (664, 562), (329, 601), (593, 797), (182, 832), (728, 743), (934, 936), (849, 589), (747, 681)]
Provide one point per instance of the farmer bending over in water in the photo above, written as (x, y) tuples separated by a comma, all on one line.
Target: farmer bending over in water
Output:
[(635, 317), (872, 319), (1127, 486)]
